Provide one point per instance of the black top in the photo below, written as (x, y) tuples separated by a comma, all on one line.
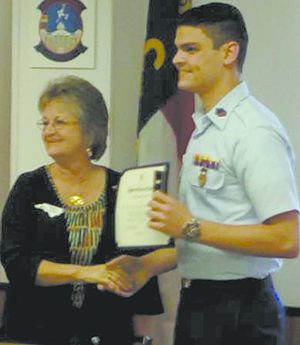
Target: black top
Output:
[(45, 315)]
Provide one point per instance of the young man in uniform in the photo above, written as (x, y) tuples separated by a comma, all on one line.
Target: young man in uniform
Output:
[(238, 209)]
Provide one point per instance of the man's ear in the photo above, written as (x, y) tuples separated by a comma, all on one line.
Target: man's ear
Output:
[(231, 52)]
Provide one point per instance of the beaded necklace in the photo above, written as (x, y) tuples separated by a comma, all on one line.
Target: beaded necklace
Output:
[(84, 225)]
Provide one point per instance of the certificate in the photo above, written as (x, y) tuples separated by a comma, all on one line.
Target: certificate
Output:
[(134, 193)]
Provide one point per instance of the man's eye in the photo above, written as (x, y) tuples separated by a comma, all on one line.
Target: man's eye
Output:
[(191, 49), (45, 123)]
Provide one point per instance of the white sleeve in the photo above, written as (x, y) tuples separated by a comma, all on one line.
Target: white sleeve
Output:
[(264, 160)]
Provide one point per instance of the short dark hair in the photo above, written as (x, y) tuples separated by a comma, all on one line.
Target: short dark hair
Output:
[(222, 23), (93, 114)]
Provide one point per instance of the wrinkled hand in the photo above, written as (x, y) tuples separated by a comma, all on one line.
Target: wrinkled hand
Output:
[(167, 214), (114, 279), (134, 268)]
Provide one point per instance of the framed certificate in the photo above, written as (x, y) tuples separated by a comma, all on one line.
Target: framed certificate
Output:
[(134, 193)]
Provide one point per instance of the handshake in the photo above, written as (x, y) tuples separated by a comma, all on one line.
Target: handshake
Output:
[(124, 275)]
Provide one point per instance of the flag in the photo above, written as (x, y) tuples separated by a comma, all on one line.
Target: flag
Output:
[(164, 121)]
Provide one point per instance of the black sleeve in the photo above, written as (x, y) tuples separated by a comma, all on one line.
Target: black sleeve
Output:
[(146, 301), (18, 234)]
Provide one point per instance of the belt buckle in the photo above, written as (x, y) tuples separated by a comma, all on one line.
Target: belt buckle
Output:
[(186, 283)]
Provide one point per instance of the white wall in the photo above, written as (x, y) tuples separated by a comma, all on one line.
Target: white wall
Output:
[(5, 92), (129, 29)]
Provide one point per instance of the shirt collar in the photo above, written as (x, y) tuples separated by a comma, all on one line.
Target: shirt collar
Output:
[(220, 113)]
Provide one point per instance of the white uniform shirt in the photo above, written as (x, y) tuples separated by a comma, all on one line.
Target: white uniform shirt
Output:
[(249, 179)]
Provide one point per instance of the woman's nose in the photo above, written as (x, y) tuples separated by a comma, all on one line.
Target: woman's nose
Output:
[(50, 127)]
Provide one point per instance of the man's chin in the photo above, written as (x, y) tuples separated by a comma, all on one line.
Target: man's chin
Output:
[(184, 86)]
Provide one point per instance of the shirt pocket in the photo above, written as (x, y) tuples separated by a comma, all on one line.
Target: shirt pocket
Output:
[(215, 179)]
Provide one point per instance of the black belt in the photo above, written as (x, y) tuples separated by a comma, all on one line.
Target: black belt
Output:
[(187, 283)]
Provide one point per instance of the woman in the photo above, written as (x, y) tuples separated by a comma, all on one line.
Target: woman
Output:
[(58, 232)]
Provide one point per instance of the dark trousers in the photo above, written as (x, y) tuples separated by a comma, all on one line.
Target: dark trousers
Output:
[(237, 312)]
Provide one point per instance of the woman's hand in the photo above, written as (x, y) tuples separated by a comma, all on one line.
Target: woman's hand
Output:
[(114, 279), (134, 268)]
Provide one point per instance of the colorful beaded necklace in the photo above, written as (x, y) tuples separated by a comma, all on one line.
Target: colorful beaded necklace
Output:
[(84, 225)]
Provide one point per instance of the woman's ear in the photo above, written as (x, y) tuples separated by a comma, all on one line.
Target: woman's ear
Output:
[(231, 52)]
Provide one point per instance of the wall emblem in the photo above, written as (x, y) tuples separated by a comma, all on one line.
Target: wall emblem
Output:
[(61, 29)]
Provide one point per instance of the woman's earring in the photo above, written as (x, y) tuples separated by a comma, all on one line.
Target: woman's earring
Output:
[(89, 152)]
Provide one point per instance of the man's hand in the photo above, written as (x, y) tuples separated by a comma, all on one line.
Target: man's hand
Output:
[(167, 214), (133, 267), (114, 279)]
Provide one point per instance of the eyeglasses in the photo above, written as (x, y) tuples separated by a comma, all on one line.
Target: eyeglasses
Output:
[(57, 124)]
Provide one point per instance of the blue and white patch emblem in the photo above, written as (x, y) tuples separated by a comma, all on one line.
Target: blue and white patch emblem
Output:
[(61, 29)]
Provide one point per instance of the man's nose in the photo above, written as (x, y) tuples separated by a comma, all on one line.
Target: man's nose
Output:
[(178, 58)]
